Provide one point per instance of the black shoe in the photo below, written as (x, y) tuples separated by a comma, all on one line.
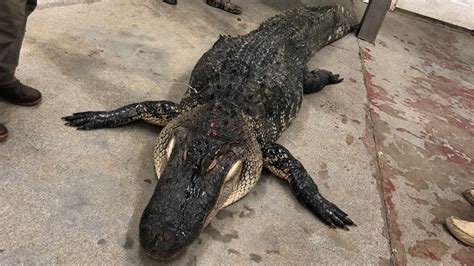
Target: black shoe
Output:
[(20, 94), (171, 2), (469, 195), (226, 6)]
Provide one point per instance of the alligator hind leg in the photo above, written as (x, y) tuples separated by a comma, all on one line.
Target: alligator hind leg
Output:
[(154, 112), (315, 80), (280, 162)]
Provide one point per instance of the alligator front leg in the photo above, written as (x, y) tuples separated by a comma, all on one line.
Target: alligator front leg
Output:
[(154, 112), (316, 80), (280, 162)]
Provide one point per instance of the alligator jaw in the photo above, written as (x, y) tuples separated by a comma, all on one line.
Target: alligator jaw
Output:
[(176, 213), (163, 256)]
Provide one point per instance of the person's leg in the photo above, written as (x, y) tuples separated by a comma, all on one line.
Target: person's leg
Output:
[(461, 229), (12, 27), (9, 31), (13, 16), (225, 5), (469, 195)]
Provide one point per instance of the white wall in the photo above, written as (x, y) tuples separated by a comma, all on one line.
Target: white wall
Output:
[(457, 12)]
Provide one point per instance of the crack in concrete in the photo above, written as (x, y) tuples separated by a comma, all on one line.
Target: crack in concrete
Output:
[(370, 131)]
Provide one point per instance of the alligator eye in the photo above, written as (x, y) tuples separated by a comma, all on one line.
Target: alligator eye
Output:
[(234, 170), (170, 148)]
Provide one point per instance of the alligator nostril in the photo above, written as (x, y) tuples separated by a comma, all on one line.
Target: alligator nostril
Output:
[(160, 243)]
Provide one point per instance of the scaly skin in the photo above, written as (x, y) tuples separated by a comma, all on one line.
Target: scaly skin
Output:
[(245, 92)]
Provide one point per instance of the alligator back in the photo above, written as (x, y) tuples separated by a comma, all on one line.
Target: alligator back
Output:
[(261, 73), (305, 30)]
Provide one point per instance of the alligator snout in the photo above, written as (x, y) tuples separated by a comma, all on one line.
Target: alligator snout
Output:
[(165, 232), (160, 243), (176, 213)]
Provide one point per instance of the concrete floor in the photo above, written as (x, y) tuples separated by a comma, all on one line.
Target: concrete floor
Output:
[(393, 148)]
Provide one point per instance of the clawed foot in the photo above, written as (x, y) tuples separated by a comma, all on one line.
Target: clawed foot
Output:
[(87, 120), (316, 80), (327, 75), (330, 214), (280, 161)]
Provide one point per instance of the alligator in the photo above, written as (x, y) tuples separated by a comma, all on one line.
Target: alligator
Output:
[(244, 92)]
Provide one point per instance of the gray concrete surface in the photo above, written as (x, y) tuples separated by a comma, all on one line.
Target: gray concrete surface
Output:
[(420, 83), (72, 197)]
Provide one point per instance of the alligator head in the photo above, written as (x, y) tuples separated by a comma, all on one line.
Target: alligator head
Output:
[(199, 158)]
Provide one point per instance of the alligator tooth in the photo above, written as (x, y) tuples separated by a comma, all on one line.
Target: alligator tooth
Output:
[(170, 147)]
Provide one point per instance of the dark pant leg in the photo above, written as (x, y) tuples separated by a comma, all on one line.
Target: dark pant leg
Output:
[(13, 17), (10, 27)]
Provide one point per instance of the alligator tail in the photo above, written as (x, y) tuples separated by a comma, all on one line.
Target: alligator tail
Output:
[(310, 28)]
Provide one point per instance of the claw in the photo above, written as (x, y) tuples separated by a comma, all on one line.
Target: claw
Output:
[(67, 118), (85, 120), (331, 215), (334, 78), (348, 221)]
